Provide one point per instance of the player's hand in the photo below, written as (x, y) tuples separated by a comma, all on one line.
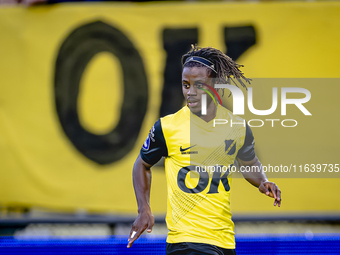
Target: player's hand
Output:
[(272, 190), (145, 220)]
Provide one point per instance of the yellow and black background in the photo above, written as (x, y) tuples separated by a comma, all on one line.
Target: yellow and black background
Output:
[(81, 85)]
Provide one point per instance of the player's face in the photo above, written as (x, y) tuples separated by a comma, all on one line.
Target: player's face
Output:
[(194, 78)]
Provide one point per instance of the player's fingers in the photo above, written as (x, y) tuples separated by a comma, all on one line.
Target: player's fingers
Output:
[(278, 192), (263, 189), (279, 203), (150, 225), (133, 237), (273, 189), (279, 197), (131, 231)]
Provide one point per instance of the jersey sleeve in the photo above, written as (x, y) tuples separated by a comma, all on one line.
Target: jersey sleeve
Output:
[(154, 147), (247, 152)]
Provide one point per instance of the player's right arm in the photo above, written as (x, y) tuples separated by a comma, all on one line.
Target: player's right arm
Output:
[(142, 184), (246, 157), (153, 150)]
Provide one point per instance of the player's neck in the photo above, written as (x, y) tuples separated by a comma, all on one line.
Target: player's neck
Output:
[(211, 112)]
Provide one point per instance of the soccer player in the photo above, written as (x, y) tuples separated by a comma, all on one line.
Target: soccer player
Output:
[(195, 151)]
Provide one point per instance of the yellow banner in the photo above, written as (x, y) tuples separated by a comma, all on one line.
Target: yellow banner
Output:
[(81, 85)]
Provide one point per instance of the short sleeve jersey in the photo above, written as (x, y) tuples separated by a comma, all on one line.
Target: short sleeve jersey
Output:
[(198, 158)]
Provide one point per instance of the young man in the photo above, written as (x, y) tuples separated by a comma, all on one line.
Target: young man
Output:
[(198, 213)]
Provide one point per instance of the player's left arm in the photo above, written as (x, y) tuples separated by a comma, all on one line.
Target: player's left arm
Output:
[(259, 179), (252, 170)]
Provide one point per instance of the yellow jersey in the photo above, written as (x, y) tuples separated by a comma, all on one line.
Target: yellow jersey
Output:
[(198, 158)]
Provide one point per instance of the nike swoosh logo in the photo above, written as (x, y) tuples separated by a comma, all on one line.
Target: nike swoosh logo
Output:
[(180, 148)]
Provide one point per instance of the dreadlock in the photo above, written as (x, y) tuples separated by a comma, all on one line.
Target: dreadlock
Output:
[(227, 70)]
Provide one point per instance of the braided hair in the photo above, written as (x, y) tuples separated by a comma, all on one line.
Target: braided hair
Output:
[(227, 70)]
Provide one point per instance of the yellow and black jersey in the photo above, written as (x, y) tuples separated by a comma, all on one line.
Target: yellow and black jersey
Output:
[(198, 156)]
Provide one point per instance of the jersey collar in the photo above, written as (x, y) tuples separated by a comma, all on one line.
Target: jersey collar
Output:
[(194, 119)]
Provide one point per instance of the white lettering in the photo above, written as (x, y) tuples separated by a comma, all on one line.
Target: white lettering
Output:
[(262, 112), (243, 123), (289, 120), (204, 104), (262, 122), (238, 97), (297, 102), (272, 121), (220, 121)]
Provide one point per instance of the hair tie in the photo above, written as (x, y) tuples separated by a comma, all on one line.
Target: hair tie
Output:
[(202, 61)]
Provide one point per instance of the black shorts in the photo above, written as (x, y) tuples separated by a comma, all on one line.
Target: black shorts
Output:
[(196, 249)]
